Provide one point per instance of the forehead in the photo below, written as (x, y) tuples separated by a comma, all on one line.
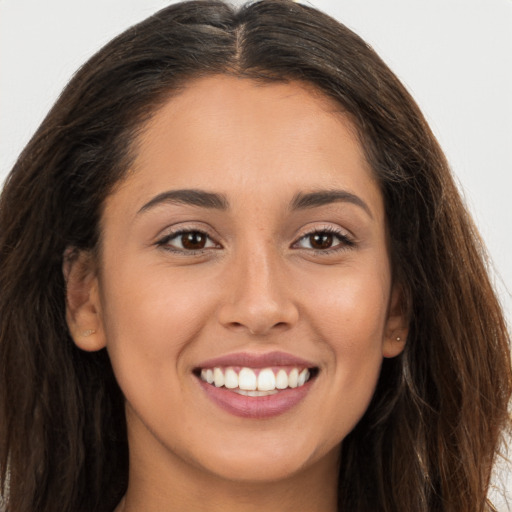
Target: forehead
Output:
[(236, 136)]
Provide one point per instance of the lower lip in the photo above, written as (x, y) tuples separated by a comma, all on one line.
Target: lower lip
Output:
[(256, 407)]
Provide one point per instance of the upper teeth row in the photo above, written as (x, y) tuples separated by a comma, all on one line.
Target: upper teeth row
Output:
[(246, 379)]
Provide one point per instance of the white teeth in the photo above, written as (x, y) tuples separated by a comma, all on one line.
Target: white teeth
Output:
[(247, 380), (230, 379), (266, 380), (281, 380), (218, 377), (303, 377), (207, 375), (293, 378), (256, 393)]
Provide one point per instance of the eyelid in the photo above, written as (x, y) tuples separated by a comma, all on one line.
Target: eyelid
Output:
[(347, 240), (173, 232)]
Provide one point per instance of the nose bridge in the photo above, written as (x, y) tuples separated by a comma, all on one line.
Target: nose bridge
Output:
[(258, 297), (259, 285)]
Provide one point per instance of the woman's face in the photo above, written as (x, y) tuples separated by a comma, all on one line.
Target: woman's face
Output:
[(246, 245)]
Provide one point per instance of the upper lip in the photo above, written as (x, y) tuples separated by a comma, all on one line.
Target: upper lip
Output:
[(251, 360)]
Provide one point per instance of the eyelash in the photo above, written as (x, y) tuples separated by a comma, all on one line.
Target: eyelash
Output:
[(164, 241), (345, 242)]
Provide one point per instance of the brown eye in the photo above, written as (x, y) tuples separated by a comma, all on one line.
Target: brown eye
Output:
[(321, 240), (325, 240), (188, 241), (193, 240)]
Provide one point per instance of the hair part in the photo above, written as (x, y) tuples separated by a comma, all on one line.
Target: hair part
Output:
[(429, 438)]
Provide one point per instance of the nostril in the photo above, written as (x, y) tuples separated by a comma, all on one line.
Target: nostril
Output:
[(263, 330), (258, 314)]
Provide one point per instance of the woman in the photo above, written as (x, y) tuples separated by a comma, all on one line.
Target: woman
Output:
[(236, 274)]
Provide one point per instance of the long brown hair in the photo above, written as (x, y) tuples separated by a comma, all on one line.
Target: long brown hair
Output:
[(430, 436)]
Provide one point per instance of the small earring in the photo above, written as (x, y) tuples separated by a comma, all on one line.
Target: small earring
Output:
[(88, 332), (398, 338)]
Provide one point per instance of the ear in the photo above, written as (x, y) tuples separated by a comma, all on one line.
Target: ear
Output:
[(397, 324), (83, 306)]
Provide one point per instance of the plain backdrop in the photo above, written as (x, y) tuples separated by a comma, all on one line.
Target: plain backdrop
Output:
[(455, 57)]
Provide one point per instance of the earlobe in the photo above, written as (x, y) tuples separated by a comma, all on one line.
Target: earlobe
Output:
[(83, 306), (393, 345), (397, 325)]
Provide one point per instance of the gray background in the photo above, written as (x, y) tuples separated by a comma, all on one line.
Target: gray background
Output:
[(455, 57)]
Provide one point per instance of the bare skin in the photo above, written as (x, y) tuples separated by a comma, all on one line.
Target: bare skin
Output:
[(285, 250)]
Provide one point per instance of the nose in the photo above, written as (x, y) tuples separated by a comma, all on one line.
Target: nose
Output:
[(257, 294)]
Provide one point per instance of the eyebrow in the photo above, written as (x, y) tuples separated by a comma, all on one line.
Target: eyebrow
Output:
[(210, 200), (190, 197), (303, 201)]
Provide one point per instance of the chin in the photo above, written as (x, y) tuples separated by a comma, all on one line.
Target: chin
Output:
[(263, 463)]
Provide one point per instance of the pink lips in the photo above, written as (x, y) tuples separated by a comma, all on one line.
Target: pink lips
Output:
[(257, 360), (256, 407)]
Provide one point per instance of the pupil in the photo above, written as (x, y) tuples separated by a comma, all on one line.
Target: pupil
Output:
[(321, 240), (193, 240)]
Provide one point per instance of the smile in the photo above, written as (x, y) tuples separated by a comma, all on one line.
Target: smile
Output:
[(256, 386), (255, 382)]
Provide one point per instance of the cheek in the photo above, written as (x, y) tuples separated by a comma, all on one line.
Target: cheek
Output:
[(349, 313), (149, 319), (353, 327), (349, 307)]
